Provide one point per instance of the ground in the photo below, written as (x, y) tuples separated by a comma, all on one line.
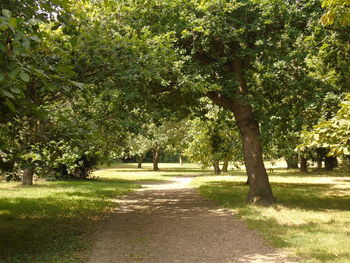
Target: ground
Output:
[(170, 222)]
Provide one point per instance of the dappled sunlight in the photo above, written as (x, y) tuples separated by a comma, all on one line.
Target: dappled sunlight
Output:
[(167, 220), (264, 258), (312, 216), (49, 217)]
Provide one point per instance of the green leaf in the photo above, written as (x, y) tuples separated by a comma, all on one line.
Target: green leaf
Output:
[(15, 90), (35, 38), (34, 21), (56, 26), (26, 43), (1, 77), (6, 13), (74, 41), (13, 22), (13, 74), (7, 94), (9, 104), (24, 76)]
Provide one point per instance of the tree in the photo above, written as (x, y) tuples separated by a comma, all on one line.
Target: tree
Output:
[(338, 11), (225, 42), (214, 139), (333, 134)]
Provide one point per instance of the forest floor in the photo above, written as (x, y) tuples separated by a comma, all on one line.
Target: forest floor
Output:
[(168, 221)]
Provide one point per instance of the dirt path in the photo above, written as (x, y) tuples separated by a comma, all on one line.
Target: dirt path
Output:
[(170, 222)]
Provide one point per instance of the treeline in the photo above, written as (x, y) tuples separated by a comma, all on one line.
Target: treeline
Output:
[(85, 82)]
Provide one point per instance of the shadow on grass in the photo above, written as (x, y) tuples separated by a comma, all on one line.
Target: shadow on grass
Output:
[(312, 172), (293, 195), (45, 223), (306, 198)]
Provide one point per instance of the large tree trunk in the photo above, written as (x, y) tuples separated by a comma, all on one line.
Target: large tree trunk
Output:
[(330, 163), (27, 178), (303, 164), (216, 168), (156, 153), (225, 167), (259, 187), (292, 162)]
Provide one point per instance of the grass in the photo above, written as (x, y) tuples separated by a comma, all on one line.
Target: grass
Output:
[(311, 218), (52, 221)]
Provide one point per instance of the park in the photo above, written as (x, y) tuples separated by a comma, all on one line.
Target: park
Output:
[(174, 131)]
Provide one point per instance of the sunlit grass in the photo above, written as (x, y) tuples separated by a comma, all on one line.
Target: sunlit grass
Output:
[(311, 218), (52, 221), (129, 171)]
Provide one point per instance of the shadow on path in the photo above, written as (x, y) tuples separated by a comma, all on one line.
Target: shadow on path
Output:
[(172, 223)]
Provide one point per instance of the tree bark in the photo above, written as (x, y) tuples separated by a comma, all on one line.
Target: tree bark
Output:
[(330, 163), (180, 159), (225, 167), (156, 153), (140, 161), (259, 186), (27, 178), (303, 164), (216, 168)]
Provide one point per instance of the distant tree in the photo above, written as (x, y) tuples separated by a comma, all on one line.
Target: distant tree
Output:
[(214, 139), (332, 134)]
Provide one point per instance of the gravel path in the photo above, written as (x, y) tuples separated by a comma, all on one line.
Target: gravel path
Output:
[(170, 222)]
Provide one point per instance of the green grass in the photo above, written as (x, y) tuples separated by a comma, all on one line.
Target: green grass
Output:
[(311, 218), (52, 221)]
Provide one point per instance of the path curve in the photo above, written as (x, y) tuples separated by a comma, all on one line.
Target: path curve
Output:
[(170, 222)]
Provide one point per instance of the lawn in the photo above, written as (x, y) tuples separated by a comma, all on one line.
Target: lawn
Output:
[(54, 221), (311, 218)]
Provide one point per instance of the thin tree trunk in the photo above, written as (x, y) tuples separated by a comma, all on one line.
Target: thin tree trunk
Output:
[(330, 163), (292, 162), (180, 159), (140, 161), (27, 178), (225, 167), (216, 168), (156, 153), (303, 164)]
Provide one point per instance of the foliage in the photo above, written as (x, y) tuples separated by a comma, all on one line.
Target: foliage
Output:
[(337, 11), (333, 133), (213, 138)]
